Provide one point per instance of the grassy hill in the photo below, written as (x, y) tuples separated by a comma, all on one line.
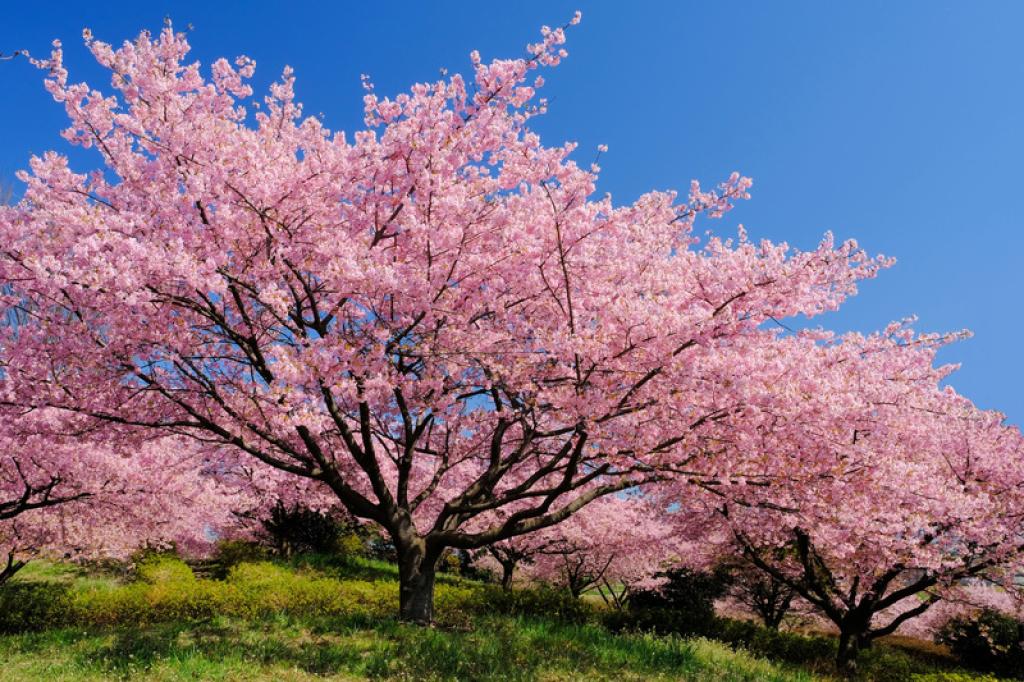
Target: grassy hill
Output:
[(326, 621)]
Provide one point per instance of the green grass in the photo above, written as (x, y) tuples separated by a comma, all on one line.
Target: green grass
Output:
[(294, 648), (315, 618), (67, 574)]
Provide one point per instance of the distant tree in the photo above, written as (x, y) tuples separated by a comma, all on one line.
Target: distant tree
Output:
[(887, 490), (765, 595), (617, 545), (65, 494)]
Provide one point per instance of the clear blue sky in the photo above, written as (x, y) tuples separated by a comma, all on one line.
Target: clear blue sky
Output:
[(898, 123)]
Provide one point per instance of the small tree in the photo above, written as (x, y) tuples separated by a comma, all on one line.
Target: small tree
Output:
[(620, 543), (761, 592)]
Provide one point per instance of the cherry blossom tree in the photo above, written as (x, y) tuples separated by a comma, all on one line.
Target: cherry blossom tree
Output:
[(884, 491), (517, 552), (66, 494), (618, 543), (760, 592), (434, 318), (970, 599)]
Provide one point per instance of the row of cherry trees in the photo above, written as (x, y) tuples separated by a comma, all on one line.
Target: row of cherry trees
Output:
[(436, 324), (69, 492)]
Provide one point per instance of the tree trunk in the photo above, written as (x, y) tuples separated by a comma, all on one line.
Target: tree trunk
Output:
[(772, 621), (416, 585), (11, 568), (846, 656), (507, 569)]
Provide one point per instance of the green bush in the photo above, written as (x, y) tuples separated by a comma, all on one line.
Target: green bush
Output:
[(263, 588), (258, 574), (685, 605), (790, 647), (301, 530), (540, 602), (351, 544), (233, 552), (989, 641), (168, 591), (33, 606), (160, 568)]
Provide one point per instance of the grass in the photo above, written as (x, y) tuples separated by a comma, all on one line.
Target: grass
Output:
[(308, 648), (318, 619)]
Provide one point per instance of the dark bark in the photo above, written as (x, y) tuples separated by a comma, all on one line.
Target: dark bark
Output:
[(507, 569), (846, 654), (772, 620), (854, 636), (767, 596), (10, 568), (416, 576)]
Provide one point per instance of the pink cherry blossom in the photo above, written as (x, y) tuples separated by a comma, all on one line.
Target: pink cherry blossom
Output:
[(859, 481), (69, 494), (435, 320)]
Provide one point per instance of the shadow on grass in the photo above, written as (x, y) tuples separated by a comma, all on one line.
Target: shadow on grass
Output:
[(268, 643), (498, 649)]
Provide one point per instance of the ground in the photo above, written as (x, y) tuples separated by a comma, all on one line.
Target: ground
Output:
[(328, 621)]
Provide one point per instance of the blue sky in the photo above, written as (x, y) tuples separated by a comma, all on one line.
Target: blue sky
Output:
[(898, 123)]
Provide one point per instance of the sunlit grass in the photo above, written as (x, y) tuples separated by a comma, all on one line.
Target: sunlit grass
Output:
[(324, 619), (286, 648), (315, 618)]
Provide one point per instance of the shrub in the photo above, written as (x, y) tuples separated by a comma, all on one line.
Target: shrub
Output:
[(300, 530), (33, 606), (790, 647), (258, 574), (989, 641), (162, 568), (251, 590), (685, 604), (351, 544), (233, 552), (123, 605), (541, 601)]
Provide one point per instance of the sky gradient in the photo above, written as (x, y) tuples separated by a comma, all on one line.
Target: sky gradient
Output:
[(898, 124)]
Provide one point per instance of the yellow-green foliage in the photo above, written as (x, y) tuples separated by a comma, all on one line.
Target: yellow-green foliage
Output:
[(162, 569), (351, 545), (232, 552), (167, 590), (250, 590)]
